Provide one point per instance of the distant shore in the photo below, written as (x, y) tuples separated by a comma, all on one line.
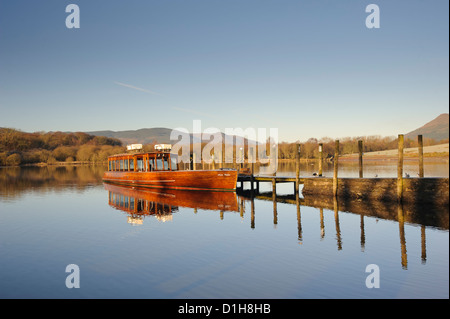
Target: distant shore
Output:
[(438, 153), (434, 153)]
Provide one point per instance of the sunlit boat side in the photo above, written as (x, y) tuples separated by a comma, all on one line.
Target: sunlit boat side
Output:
[(159, 169)]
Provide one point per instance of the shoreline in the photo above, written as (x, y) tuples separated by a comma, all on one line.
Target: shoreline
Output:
[(434, 153)]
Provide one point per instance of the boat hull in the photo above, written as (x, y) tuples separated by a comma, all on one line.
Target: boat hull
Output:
[(213, 180)]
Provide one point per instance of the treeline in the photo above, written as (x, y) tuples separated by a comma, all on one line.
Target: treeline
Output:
[(17, 147), (347, 145)]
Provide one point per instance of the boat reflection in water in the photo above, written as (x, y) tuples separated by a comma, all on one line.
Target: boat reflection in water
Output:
[(142, 202)]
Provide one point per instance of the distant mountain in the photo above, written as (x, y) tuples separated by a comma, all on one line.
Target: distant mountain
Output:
[(141, 136), (437, 129), (160, 135)]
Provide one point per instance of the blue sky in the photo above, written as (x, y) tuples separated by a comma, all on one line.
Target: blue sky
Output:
[(309, 68)]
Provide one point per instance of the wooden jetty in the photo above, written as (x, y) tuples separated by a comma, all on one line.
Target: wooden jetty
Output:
[(401, 189)]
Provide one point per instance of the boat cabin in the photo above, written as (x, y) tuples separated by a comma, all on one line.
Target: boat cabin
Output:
[(143, 162)]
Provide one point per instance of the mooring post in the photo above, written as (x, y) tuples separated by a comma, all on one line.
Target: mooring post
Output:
[(335, 175), (320, 158), (360, 149), (297, 170), (420, 142), (401, 140)]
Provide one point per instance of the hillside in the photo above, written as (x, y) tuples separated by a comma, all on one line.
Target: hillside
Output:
[(142, 136), (17, 147), (146, 136), (437, 129)]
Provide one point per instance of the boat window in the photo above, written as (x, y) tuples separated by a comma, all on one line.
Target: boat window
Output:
[(151, 164), (166, 163), (140, 164), (159, 164), (109, 166), (131, 165), (174, 163), (125, 164)]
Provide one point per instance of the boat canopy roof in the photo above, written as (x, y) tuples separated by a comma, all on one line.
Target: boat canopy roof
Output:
[(142, 154)]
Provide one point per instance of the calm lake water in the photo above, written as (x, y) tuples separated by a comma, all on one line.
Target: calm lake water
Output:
[(143, 244)]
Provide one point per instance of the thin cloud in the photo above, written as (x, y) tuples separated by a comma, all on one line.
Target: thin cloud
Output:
[(136, 88)]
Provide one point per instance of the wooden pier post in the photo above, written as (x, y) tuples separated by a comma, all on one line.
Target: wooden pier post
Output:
[(297, 170), (401, 140), (335, 175), (420, 142), (320, 158), (360, 149)]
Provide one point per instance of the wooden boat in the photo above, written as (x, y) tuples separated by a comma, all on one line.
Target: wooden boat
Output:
[(159, 169)]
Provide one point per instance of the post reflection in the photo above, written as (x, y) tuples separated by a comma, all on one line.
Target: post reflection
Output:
[(299, 219), (139, 203), (401, 226), (336, 221), (401, 213), (363, 234), (423, 242), (322, 224)]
